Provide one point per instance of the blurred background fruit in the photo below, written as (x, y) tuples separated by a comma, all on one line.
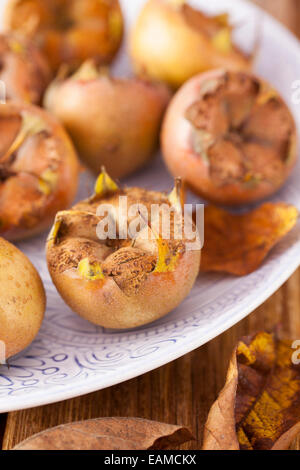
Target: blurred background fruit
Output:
[(69, 31), (23, 69), (172, 41), (38, 170)]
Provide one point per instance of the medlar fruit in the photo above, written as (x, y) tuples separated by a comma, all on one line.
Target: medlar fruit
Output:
[(121, 281), (172, 42), (230, 136), (38, 170), (69, 31), (113, 122), (23, 69)]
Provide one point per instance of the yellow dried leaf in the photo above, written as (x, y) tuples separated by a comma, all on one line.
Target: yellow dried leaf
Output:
[(44, 187), (91, 272), (105, 184), (167, 260), (238, 244), (259, 407), (31, 124), (50, 176), (86, 72), (177, 196), (63, 216), (16, 46), (54, 231), (266, 96), (222, 41), (48, 181)]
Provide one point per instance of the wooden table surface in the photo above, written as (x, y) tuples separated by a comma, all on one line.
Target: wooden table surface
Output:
[(183, 391)]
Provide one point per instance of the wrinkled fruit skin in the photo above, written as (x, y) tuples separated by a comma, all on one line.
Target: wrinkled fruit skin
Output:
[(237, 152), (167, 44), (129, 293), (69, 32), (24, 70), (39, 178), (112, 122), (22, 301)]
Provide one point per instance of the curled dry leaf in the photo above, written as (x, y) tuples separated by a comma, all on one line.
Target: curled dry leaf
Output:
[(259, 407), (109, 434), (238, 244)]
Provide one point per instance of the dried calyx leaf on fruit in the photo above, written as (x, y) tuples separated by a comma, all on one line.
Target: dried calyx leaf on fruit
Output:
[(38, 170), (113, 121), (238, 243), (31, 125), (109, 434), (24, 69), (231, 137), (117, 279), (104, 185), (178, 196), (69, 32), (258, 408), (178, 28)]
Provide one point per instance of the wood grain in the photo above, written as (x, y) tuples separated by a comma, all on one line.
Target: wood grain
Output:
[(183, 391)]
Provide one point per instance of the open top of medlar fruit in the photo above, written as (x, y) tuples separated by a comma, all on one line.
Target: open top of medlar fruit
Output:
[(172, 41), (38, 170), (23, 69), (69, 31), (121, 281), (230, 136)]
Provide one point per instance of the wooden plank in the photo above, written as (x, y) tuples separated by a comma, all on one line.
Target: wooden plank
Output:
[(3, 418), (183, 391)]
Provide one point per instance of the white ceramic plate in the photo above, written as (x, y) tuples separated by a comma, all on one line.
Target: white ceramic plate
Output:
[(71, 357)]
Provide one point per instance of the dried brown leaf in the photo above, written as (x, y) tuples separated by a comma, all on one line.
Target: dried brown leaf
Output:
[(238, 244), (109, 434), (259, 406)]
